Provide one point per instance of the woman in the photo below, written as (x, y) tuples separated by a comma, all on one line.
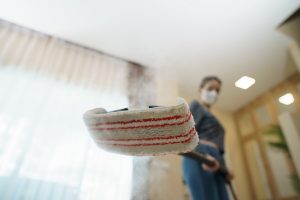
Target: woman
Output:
[(206, 183)]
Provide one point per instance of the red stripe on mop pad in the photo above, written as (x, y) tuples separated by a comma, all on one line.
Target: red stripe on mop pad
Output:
[(155, 138), (153, 144), (147, 126), (141, 120)]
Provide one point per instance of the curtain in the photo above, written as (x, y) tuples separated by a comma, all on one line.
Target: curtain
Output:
[(46, 84)]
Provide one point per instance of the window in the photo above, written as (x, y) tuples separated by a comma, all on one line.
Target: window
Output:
[(45, 149)]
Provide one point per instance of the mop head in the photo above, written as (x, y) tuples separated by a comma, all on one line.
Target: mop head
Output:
[(150, 131)]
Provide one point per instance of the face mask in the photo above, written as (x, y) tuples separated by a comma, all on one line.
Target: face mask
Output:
[(209, 97)]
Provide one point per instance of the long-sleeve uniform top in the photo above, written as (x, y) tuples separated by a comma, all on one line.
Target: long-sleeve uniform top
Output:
[(207, 125)]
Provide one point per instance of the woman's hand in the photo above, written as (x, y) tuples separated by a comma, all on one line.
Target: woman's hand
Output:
[(213, 168), (230, 175)]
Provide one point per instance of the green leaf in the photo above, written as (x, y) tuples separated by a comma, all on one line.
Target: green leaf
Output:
[(280, 146), (296, 182)]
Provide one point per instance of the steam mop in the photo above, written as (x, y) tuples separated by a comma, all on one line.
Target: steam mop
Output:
[(147, 132)]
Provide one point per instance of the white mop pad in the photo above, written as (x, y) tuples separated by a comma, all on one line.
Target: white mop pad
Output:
[(151, 131)]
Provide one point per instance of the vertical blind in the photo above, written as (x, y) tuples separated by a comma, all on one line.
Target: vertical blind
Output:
[(46, 84)]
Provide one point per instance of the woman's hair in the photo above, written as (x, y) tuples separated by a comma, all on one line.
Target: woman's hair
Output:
[(206, 79)]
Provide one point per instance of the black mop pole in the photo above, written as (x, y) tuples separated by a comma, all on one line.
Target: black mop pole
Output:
[(203, 159)]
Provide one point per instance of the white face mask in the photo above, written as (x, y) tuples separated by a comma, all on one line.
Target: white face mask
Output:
[(209, 97)]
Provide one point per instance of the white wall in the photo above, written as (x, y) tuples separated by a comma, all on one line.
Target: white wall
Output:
[(294, 49), (165, 171)]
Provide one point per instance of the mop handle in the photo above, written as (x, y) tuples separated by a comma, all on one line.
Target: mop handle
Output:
[(202, 158)]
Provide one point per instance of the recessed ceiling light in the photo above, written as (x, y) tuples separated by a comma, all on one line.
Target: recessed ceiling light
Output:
[(286, 99), (245, 82)]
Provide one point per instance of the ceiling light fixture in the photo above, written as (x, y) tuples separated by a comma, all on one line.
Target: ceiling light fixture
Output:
[(286, 99), (245, 82)]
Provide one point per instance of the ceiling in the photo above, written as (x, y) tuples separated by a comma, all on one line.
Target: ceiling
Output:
[(188, 39)]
